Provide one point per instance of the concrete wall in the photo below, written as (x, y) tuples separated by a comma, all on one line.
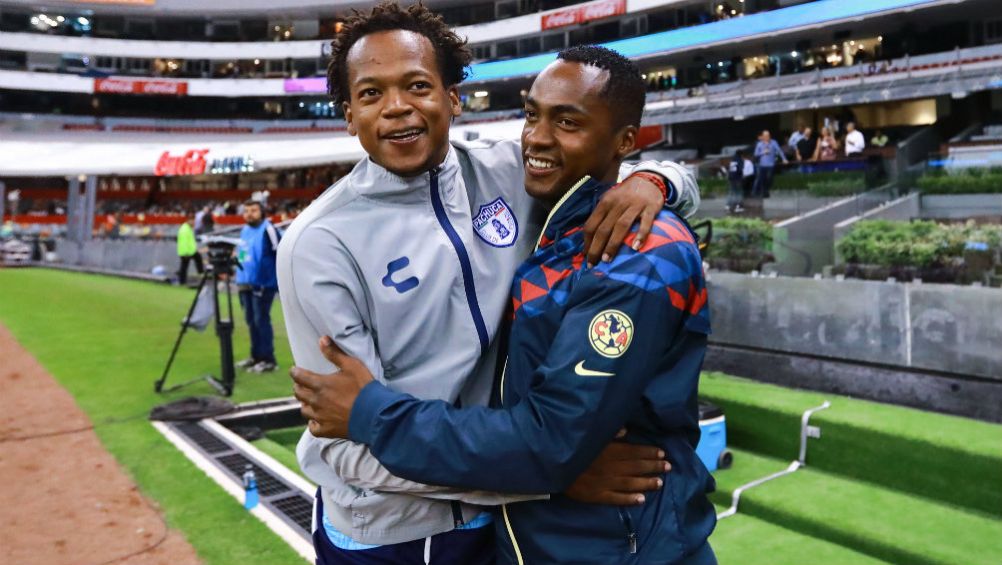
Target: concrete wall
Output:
[(962, 396), (803, 245), (960, 206), (132, 256), (779, 206), (948, 328)]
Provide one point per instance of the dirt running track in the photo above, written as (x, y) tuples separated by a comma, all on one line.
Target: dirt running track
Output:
[(63, 498)]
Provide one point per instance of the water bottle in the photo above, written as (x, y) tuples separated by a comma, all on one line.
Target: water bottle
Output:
[(250, 488)]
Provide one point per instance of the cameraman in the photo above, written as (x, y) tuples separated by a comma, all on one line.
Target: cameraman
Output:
[(258, 284)]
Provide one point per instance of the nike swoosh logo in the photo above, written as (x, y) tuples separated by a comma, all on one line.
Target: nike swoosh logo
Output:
[(580, 370)]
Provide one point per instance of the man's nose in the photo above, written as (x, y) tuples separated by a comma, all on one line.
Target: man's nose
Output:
[(539, 134), (396, 104)]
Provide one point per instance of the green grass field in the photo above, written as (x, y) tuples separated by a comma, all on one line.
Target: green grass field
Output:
[(106, 340), (884, 484)]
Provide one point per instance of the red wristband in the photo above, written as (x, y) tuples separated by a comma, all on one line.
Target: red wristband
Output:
[(656, 180)]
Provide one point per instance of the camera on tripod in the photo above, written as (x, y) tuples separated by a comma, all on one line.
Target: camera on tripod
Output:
[(222, 253), (222, 264)]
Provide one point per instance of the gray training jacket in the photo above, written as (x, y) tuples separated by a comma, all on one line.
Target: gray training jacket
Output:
[(412, 277)]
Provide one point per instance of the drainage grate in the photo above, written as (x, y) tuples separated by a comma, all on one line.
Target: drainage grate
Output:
[(287, 500), (203, 438), (267, 485), (297, 508)]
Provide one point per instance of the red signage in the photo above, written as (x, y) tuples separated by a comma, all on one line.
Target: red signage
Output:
[(191, 163), (128, 86), (584, 13)]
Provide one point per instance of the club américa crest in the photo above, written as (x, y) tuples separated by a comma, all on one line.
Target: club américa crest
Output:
[(611, 332), (496, 224)]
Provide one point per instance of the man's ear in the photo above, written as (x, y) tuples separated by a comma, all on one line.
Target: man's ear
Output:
[(456, 105), (627, 141), (347, 117)]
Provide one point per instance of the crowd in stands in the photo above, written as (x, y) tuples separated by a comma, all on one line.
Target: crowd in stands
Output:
[(751, 174)]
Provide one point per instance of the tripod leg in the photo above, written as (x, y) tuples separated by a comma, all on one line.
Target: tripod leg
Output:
[(227, 374), (159, 384)]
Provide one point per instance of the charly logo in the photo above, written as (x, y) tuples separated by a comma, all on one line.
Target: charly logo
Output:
[(496, 224), (610, 333), (394, 266)]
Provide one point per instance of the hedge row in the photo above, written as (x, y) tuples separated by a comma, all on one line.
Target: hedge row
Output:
[(816, 184), (918, 244), (968, 181)]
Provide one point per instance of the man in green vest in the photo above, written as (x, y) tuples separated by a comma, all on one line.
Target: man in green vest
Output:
[(187, 249)]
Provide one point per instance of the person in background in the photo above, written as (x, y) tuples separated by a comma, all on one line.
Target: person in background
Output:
[(854, 142), (203, 220), (795, 137), (879, 140), (806, 145), (187, 250), (827, 147), (747, 175), (258, 284), (735, 175), (766, 151)]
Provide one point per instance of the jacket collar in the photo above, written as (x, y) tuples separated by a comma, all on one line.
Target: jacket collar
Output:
[(370, 179), (572, 209)]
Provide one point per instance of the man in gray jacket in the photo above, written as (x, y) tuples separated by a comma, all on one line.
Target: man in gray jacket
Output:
[(406, 263)]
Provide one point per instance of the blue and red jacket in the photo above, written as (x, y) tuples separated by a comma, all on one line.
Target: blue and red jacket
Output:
[(591, 351)]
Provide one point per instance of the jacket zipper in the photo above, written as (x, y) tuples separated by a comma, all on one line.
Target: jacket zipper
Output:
[(631, 532), (464, 261), (504, 507)]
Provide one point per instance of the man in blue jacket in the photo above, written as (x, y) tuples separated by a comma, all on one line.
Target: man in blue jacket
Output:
[(766, 152), (258, 283), (592, 350)]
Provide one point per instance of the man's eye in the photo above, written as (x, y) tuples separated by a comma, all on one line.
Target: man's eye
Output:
[(565, 123), (369, 92), (421, 85), (529, 114)]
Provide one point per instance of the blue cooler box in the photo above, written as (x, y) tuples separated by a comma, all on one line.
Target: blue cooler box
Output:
[(712, 447)]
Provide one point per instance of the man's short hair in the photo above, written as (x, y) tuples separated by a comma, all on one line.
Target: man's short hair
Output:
[(451, 53), (625, 91), (254, 203)]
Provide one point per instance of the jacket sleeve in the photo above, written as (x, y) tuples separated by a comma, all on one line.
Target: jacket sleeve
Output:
[(325, 295), (356, 466), (683, 190), (272, 237), (579, 399)]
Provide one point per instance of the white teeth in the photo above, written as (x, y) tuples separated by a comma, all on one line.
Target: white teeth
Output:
[(406, 133), (539, 163)]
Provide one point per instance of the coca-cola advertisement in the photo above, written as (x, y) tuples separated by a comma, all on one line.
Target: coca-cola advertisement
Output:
[(191, 163), (129, 86), (582, 14)]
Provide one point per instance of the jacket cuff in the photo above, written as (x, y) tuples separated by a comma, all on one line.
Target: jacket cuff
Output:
[(671, 194), (372, 399)]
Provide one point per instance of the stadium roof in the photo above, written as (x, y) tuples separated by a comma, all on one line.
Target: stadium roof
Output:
[(776, 22)]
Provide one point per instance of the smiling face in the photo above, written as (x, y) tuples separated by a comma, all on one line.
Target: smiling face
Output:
[(570, 131), (399, 107)]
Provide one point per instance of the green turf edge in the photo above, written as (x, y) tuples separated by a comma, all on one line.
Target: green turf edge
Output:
[(106, 340), (746, 540), (880, 522), (279, 452), (946, 458), (286, 437)]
